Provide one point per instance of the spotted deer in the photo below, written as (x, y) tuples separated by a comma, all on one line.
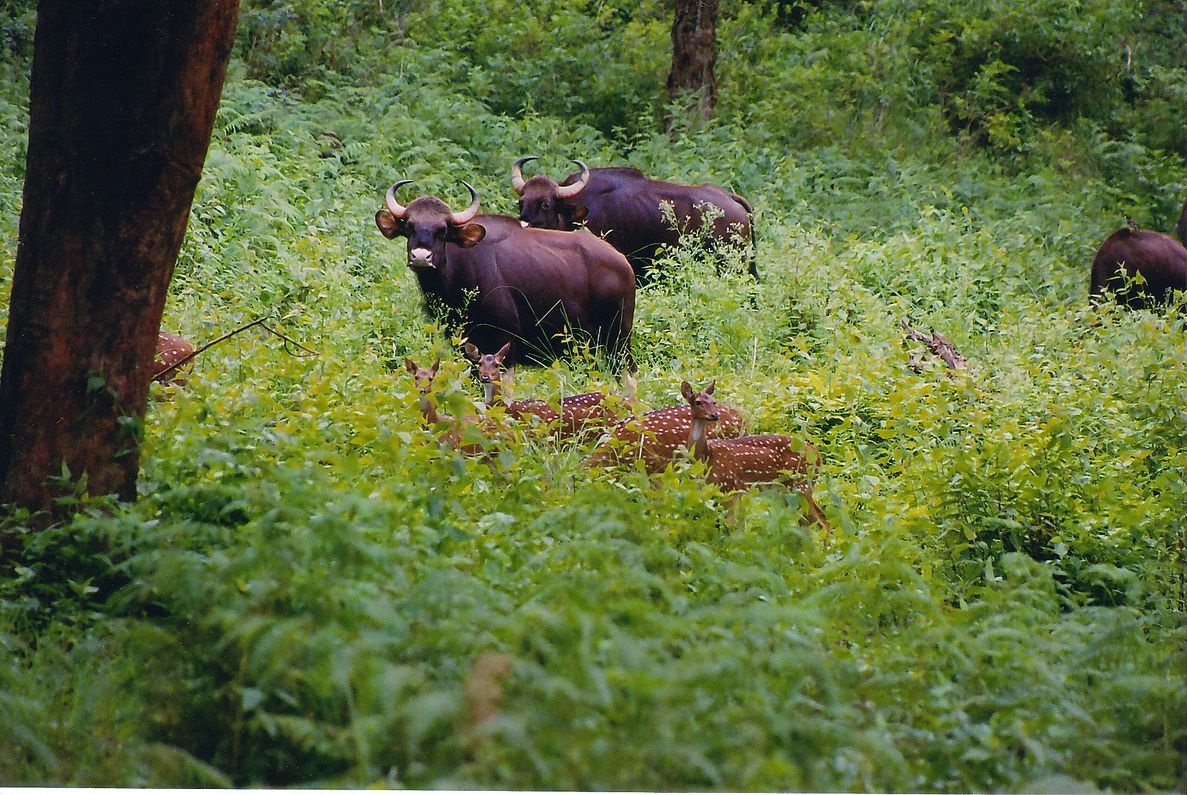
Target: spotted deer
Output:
[(456, 428), (738, 464), (578, 413), (173, 360), (655, 437)]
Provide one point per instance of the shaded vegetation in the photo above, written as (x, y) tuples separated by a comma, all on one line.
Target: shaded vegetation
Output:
[(308, 588)]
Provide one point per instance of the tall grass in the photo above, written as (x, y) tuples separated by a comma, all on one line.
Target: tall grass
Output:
[(310, 591)]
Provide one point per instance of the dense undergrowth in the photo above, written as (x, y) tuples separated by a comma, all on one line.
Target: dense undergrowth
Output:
[(310, 591)]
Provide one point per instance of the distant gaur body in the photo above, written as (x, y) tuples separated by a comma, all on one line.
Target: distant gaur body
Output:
[(1183, 224), (625, 207), (1160, 259), (501, 283)]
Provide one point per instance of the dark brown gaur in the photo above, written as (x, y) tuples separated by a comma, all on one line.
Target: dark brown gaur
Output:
[(624, 206), (578, 415), (1159, 259), (739, 464), (1182, 227), (501, 283)]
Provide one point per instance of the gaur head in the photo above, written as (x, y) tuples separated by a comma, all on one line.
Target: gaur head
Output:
[(544, 204), (429, 224)]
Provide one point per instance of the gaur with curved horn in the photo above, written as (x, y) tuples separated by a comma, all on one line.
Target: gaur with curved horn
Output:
[(501, 283), (626, 208), (563, 191)]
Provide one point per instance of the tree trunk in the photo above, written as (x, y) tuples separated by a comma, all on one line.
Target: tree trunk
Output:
[(694, 54), (122, 100)]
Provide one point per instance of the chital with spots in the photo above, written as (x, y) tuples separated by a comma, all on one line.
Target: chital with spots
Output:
[(578, 414), (655, 437), (748, 461), (174, 359), (456, 428)]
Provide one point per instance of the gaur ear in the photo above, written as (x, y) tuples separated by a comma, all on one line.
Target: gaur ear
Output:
[(472, 352), (686, 390), (502, 354), (467, 236), (579, 212), (410, 366), (390, 225), (709, 389)]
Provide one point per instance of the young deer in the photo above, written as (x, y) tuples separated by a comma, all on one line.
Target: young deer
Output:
[(656, 436), (173, 360), (738, 464), (578, 413), (452, 435)]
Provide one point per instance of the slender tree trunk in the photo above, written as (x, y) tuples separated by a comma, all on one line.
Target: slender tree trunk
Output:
[(694, 54), (123, 95)]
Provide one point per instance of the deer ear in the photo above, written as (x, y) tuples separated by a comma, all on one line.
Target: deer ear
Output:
[(388, 224), (686, 390), (472, 353), (709, 389), (410, 366), (436, 365), (467, 236), (502, 354)]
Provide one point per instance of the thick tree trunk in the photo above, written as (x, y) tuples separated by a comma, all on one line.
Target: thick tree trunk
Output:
[(123, 95), (694, 54)]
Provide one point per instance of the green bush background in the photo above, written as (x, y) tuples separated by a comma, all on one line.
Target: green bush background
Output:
[(302, 591)]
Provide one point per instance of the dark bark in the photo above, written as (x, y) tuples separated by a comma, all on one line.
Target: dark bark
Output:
[(694, 54), (123, 95)]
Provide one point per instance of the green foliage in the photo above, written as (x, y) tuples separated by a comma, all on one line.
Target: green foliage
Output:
[(311, 591), (1004, 66)]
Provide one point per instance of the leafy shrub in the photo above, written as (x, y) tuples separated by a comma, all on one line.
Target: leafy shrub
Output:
[(310, 590)]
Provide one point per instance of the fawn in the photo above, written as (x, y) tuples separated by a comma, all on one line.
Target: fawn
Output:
[(737, 464), (578, 413), (452, 435)]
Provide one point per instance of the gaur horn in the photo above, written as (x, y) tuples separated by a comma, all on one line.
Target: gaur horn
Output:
[(517, 173), (569, 191), (466, 215), (393, 206)]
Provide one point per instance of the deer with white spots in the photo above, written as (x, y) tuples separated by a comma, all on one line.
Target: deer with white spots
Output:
[(174, 359), (456, 428), (738, 464), (578, 413), (655, 436)]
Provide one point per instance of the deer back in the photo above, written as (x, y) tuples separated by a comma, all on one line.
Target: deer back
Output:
[(657, 435), (738, 464), (172, 362)]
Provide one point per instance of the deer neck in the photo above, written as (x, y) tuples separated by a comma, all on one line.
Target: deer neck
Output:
[(698, 440), (429, 409), (491, 392)]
